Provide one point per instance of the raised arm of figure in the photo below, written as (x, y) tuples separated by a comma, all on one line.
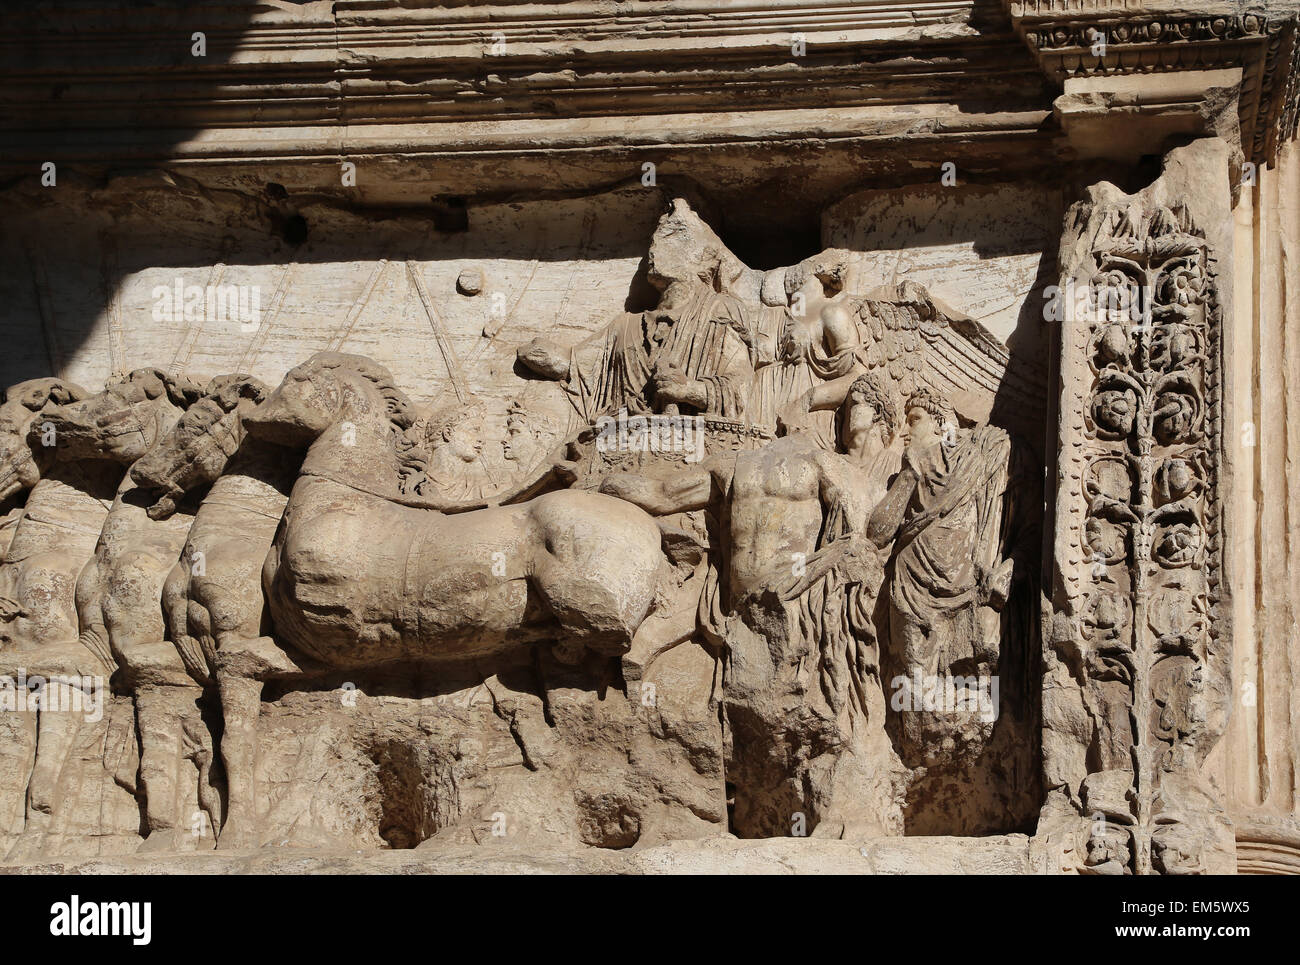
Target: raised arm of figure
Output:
[(682, 492), (888, 516)]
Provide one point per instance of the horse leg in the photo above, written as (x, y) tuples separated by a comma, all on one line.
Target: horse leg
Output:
[(241, 704), (242, 666), (598, 593), (17, 756), (199, 749), (166, 717), (186, 626), (56, 733), (164, 695)]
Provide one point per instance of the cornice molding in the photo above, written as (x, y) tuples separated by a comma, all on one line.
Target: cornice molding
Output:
[(368, 78), (1156, 38)]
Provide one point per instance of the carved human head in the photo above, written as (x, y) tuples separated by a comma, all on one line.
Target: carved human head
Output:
[(674, 302), (927, 417), (867, 405), (520, 440), (458, 433), (798, 279)]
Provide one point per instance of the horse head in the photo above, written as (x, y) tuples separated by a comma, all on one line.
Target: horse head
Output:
[(199, 446), (23, 404), (331, 391), (121, 423)]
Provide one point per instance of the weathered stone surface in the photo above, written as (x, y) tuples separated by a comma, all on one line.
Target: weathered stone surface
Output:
[(649, 439), (998, 855)]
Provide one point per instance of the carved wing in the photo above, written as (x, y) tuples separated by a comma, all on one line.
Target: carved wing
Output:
[(918, 340)]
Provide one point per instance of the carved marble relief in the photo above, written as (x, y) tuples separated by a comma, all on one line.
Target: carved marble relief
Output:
[(775, 573)]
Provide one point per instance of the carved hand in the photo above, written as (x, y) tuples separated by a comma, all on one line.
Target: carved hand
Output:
[(566, 471), (995, 584), (672, 386), (545, 358)]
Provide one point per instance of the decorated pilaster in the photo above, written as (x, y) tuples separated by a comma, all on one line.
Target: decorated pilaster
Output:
[(1137, 654)]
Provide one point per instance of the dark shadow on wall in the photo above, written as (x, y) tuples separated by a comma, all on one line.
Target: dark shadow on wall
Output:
[(65, 259), (91, 85)]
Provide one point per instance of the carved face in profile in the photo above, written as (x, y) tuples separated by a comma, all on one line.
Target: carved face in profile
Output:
[(860, 418), (519, 445), (1114, 411)]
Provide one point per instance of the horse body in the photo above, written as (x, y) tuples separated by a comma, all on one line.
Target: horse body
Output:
[(118, 590), (214, 594), (117, 617), (359, 574), (51, 543), (356, 580), (52, 536), (56, 535), (80, 551)]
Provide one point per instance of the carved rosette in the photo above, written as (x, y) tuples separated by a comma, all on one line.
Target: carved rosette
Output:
[(1148, 556)]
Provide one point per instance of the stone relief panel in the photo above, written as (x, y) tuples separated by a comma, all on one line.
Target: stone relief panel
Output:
[(95, 294), (990, 249), (760, 552)]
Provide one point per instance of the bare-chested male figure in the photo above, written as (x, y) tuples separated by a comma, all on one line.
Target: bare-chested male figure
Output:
[(786, 499), (797, 620)]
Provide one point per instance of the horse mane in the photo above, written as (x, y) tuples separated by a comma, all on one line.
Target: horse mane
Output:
[(401, 413), (407, 427), (176, 455)]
